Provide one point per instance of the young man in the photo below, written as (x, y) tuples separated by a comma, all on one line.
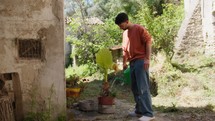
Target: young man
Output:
[(136, 47)]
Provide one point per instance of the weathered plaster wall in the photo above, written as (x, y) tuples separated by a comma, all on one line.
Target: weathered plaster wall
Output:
[(189, 5), (33, 19), (208, 20)]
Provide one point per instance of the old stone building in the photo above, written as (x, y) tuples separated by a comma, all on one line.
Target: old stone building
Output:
[(32, 54), (196, 35)]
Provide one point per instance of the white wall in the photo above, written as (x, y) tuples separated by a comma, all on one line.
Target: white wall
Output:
[(208, 6)]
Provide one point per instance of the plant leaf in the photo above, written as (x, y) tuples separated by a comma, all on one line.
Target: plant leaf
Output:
[(104, 59)]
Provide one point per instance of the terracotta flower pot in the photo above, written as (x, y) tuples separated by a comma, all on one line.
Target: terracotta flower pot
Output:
[(106, 105), (106, 100)]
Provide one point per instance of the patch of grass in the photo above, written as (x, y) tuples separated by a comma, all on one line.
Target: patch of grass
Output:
[(195, 64), (121, 90), (184, 67), (167, 109), (92, 89), (81, 71), (124, 92)]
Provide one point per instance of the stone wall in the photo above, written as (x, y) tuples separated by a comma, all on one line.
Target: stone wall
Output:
[(42, 21)]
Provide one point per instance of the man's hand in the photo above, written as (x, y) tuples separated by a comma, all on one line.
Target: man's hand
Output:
[(125, 66), (146, 66)]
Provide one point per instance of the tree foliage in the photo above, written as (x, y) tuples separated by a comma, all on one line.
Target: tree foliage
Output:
[(88, 43), (163, 27)]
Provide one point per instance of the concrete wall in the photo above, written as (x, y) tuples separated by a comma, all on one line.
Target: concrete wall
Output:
[(189, 5), (35, 19), (208, 21)]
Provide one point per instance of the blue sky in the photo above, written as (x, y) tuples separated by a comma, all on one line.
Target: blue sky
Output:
[(89, 1)]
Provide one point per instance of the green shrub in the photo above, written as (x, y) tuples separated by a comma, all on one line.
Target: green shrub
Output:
[(163, 28), (81, 71)]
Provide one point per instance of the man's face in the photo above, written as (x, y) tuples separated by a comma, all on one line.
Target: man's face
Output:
[(123, 25)]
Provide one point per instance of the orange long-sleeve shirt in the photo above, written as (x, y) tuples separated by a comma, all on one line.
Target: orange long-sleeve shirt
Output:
[(134, 43)]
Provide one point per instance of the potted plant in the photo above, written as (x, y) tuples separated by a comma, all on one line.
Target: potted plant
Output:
[(72, 88), (106, 98)]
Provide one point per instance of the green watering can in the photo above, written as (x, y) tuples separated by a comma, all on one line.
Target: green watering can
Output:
[(126, 73)]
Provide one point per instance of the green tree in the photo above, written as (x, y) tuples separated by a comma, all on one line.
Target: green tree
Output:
[(108, 8), (88, 43), (164, 27)]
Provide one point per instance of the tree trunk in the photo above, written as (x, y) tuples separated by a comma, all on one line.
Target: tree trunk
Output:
[(74, 64)]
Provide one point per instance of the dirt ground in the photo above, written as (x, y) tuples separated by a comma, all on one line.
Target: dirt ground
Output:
[(123, 108), (194, 102)]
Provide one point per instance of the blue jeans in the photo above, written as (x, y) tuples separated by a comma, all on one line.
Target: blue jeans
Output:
[(140, 88)]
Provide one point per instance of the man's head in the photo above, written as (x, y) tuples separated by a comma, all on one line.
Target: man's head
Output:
[(122, 21)]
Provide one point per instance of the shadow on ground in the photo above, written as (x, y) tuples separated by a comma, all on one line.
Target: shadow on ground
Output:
[(161, 113)]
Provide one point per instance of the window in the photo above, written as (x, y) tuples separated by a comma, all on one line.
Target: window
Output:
[(30, 48)]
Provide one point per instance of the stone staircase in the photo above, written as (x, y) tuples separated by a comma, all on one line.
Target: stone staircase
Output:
[(190, 42)]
